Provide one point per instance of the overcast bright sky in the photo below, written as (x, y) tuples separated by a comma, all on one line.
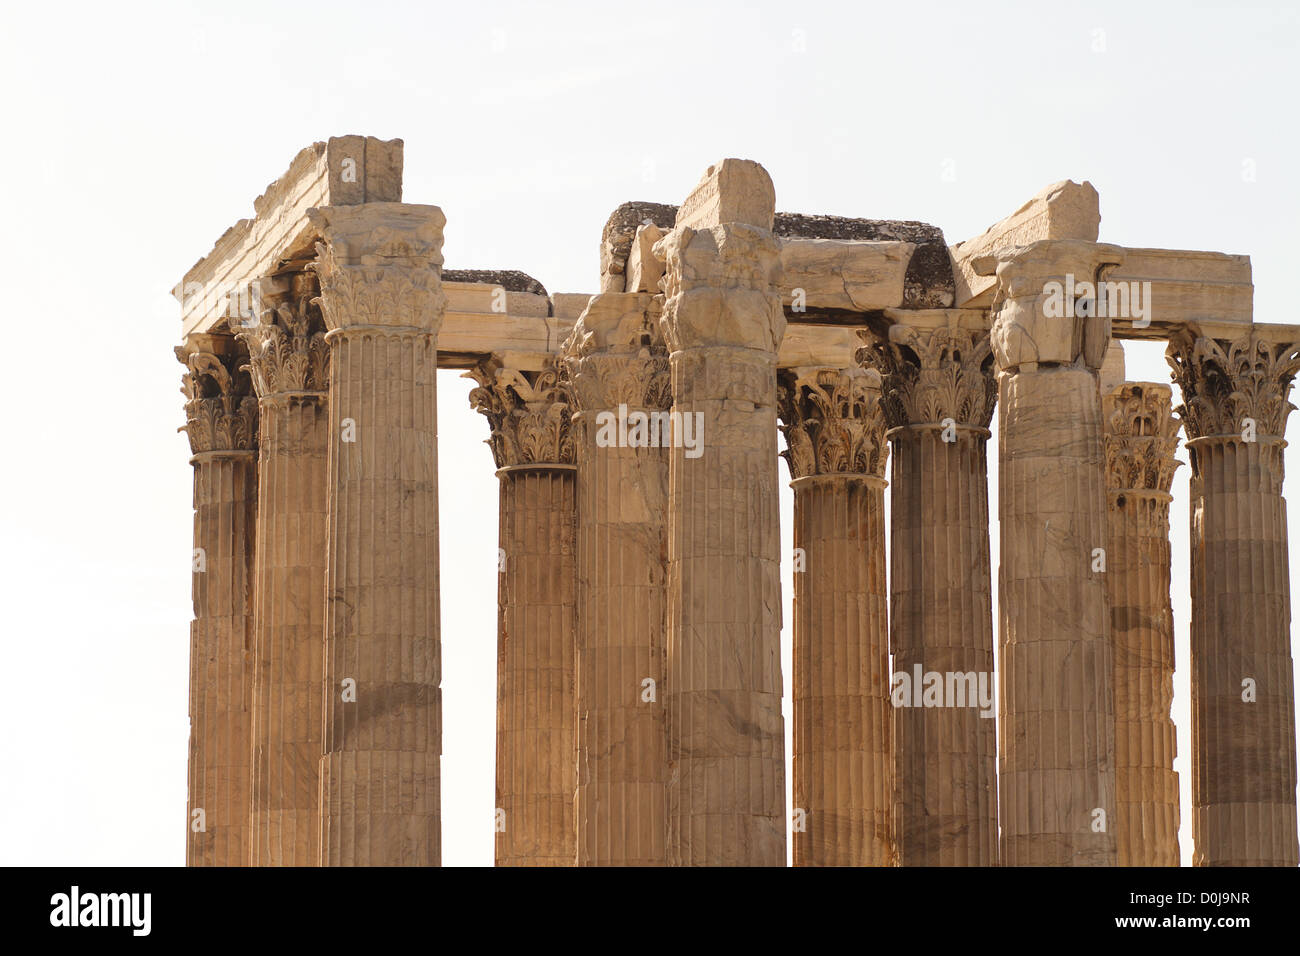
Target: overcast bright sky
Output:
[(136, 134)]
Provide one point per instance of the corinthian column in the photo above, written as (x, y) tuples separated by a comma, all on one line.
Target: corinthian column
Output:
[(619, 369), (843, 747), (380, 267), (1235, 408), (939, 393), (723, 323), (1057, 780), (289, 361), (221, 421), (1141, 435), (529, 412)]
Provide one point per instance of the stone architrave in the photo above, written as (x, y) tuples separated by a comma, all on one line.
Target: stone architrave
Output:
[(939, 392), (379, 266), (221, 422), (622, 393), (723, 324), (1141, 436), (843, 739), (1235, 405), (1057, 774), (836, 274), (289, 362), (529, 412)]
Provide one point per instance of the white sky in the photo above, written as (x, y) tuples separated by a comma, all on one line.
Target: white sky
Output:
[(136, 134)]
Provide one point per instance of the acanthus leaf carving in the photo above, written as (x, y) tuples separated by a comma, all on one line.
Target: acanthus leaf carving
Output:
[(380, 265), (287, 348), (220, 408), (1141, 436), (929, 376), (395, 296), (641, 379), (1225, 381), (615, 354), (833, 422), (529, 413)]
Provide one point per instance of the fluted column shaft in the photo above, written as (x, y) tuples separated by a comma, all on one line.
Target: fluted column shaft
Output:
[(530, 416), (1057, 779), (622, 810), (939, 394), (382, 734), (289, 365), (289, 650), (842, 723), (942, 622), (843, 737), (535, 706), (1243, 695), (726, 737), (1141, 435), (723, 323), (380, 773), (221, 420), (1244, 771), (1057, 725), (225, 515)]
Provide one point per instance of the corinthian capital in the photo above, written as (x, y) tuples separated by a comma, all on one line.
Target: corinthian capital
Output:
[(833, 422), (722, 288), (930, 375), (380, 266), (528, 411), (220, 408), (1141, 438), (723, 264), (1227, 381), (1046, 308), (615, 355), (286, 348)]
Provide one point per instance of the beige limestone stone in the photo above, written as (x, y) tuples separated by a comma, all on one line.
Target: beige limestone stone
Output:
[(843, 742), (716, 284), (482, 320), (618, 365), (618, 235), (1243, 694), (731, 191), (938, 398), (840, 274), (1056, 783), (569, 306), (221, 422), (1056, 721), (1111, 375), (643, 270), (1185, 287), (289, 362), (530, 412), (379, 267), (1033, 323), (1064, 210), (807, 346), (469, 337), (722, 322), (1141, 436), (344, 170), (593, 777)]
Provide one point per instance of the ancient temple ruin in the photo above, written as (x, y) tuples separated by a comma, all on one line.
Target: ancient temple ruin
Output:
[(636, 434)]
